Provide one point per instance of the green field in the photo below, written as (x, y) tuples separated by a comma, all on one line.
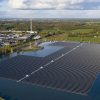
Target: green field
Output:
[(61, 30), (64, 37), (82, 30)]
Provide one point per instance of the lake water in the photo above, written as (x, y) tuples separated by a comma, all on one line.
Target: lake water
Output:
[(44, 52), (11, 90), (47, 50), (95, 90)]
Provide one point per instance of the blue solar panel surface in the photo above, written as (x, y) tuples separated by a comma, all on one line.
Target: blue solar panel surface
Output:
[(72, 68)]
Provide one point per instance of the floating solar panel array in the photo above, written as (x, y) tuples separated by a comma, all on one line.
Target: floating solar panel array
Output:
[(19, 66), (67, 47), (72, 68)]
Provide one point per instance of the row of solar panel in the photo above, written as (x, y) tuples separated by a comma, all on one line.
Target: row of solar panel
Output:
[(74, 72), (18, 67)]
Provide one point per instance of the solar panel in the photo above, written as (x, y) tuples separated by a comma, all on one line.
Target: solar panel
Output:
[(18, 66), (72, 68), (74, 72)]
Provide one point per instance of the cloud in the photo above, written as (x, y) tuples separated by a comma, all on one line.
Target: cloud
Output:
[(54, 4), (57, 8), (17, 3), (50, 14)]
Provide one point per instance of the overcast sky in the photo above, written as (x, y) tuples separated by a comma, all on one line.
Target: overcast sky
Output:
[(49, 8)]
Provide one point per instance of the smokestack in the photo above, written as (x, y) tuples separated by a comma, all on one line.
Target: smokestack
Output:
[(31, 25)]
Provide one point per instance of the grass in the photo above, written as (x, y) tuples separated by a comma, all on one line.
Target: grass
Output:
[(32, 49), (5, 50), (83, 30), (84, 35), (64, 37)]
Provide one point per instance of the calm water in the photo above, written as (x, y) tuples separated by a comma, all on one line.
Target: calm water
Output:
[(44, 52), (47, 50), (11, 90), (95, 90)]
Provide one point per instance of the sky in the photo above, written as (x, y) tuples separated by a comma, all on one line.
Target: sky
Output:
[(49, 8)]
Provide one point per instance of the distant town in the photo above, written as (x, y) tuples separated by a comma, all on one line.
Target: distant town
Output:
[(14, 38), (25, 34)]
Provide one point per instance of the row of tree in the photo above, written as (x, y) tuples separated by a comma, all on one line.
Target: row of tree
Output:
[(46, 25)]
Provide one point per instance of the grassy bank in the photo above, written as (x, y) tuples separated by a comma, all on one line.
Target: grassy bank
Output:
[(32, 49), (5, 50)]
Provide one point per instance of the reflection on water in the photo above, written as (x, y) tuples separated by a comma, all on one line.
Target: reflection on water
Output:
[(7, 56), (11, 90), (43, 52), (47, 50), (95, 90)]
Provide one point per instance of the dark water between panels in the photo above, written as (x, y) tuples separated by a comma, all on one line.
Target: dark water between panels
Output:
[(74, 72)]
